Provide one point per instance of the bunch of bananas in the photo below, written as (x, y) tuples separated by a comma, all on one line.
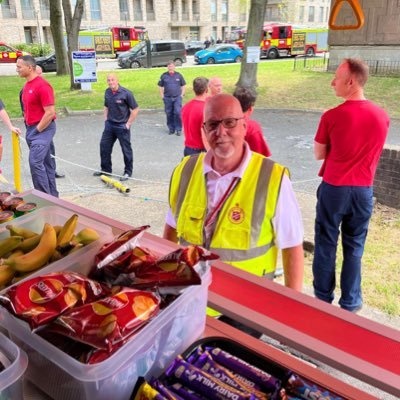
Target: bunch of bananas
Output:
[(26, 251)]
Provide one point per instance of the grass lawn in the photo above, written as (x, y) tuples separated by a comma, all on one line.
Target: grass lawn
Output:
[(279, 87)]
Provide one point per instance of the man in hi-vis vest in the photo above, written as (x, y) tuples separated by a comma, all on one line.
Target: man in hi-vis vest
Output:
[(234, 202)]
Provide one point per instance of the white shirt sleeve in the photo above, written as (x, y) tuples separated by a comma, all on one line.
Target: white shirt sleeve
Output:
[(287, 223), (170, 220)]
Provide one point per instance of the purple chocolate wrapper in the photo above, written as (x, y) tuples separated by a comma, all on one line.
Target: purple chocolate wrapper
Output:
[(204, 383), (185, 392), (207, 364), (166, 392), (235, 364)]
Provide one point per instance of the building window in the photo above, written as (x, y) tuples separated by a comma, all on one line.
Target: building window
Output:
[(137, 10), (45, 9), (95, 10), (321, 14), (124, 11), (326, 14), (185, 10), (151, 16), (28, 34), (196, 9), (311, 12), (224, 10), (301, 14), (28, 12), (8, 9)]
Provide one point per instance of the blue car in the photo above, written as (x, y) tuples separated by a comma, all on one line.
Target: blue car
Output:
[(223, 53)]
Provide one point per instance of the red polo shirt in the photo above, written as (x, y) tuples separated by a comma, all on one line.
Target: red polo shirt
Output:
[(36, 94)]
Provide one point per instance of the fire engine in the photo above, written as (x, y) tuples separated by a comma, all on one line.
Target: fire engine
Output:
[(111, 42), (280, 40)]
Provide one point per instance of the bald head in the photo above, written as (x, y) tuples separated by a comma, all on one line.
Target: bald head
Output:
[(223, 104), (112, 81), (215, 86)]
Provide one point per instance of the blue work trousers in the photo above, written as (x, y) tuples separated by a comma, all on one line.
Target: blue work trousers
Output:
[(348, 208), (173, 107), (112, 132), (42, 165)]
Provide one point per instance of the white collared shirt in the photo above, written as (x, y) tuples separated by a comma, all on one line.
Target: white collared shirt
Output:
[(287, 223)]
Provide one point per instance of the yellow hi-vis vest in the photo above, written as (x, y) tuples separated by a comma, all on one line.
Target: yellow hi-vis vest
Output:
[(243, 235)]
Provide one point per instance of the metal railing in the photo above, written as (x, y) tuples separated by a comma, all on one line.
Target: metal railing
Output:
[(311, 63), (8, 11)]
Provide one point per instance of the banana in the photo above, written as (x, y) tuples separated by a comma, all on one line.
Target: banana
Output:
[(6, 275), (9, 244), (86, 236), (57, 228), (56, 256), (29, 244), (76, 248), (67, 231), (39, 256), (19, 231), (17, 252)]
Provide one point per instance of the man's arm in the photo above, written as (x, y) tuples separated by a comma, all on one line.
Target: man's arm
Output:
[(105, 112), (170, 233), (4, 116), (132, 117), (48, 116), (161, 91), (183, 90), (320, 151), (293, 267)]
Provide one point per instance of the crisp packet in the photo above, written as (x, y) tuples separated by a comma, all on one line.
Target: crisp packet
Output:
[(42, 299), (105, 323), (144, 391)]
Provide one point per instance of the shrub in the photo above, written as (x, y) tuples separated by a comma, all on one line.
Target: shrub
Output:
[(35, 49)]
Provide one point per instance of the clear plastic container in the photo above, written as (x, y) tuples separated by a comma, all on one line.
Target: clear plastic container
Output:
[(58, 216), (146, 354), (11, 377)]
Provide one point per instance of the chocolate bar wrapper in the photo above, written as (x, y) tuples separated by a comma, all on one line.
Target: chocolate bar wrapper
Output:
[(144, 391), (203, 383), (185, 392)]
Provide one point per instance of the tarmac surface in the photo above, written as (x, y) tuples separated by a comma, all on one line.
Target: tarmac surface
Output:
[(289, 134)]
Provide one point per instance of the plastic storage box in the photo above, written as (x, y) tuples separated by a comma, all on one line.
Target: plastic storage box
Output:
[(149, 352), (11, 377), (58, 216)]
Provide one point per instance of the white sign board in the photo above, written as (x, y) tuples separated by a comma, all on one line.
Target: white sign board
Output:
[(253, 54), (84, 67)]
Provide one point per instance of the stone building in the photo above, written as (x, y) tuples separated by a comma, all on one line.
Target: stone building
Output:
[(27, 21), (377, 42)]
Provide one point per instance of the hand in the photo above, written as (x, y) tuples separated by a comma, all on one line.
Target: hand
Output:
[(16, 130), (128, 126)]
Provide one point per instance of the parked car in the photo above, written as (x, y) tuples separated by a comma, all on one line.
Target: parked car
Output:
[(48, 63), (161, 52), (219, 54), (10, 55), (192, 46)]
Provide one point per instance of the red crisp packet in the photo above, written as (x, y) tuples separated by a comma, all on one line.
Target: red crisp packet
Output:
[(124, 237), (173, 269), (42, 299), (105, 323)]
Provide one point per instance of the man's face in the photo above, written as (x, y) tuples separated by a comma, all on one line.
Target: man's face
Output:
[(215, 87), (171, 67), (23, 69), (112, 82), (225, 142), (341, 81)]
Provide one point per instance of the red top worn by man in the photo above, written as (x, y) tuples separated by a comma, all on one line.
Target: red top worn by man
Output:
[(192, 118), (39, 114), (254, 135), (349, 139)]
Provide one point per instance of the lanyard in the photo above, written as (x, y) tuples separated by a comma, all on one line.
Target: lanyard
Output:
[(213, 215)]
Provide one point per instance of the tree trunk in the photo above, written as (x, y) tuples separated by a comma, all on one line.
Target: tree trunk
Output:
[(56, 27), (72, 26), (248, 72)]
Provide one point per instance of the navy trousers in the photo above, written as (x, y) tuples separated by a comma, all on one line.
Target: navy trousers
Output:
[(40, 162), (173, 107), (348, 208), (111, 133)]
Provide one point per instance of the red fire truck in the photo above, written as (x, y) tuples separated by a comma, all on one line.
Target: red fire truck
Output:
[(288, 40), (111, 42)]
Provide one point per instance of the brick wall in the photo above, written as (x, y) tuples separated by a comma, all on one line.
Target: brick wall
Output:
[(387, 178)]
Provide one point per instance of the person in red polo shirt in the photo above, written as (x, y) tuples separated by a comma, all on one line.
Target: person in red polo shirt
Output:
[(349, 139), (192, 118), (39, 115)]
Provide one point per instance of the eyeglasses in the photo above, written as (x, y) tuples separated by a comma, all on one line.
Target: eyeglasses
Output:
[(227, 123)]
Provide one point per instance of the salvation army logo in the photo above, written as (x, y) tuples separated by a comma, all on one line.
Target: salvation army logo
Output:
[(236, 214)]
